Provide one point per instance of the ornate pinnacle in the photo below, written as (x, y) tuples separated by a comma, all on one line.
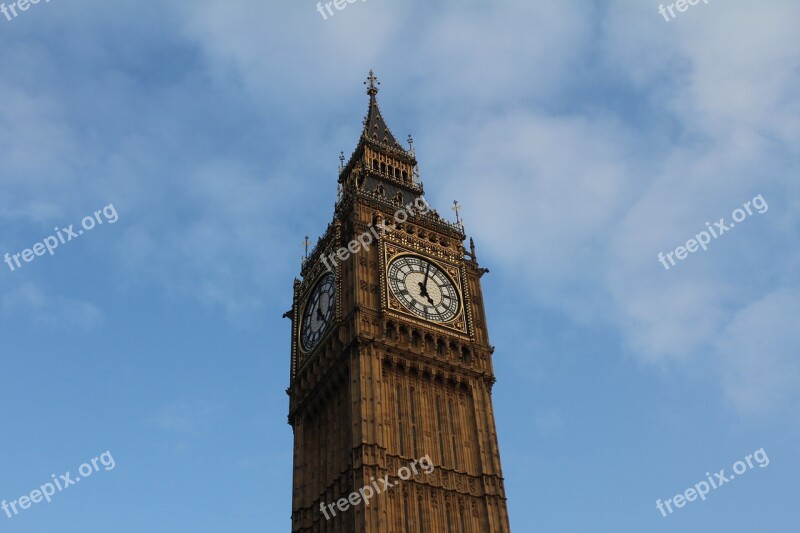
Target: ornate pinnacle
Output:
[(372, 83), (457, 208)]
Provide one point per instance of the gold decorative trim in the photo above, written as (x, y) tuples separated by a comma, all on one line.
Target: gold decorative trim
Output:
[(460, 324), (302, 293)]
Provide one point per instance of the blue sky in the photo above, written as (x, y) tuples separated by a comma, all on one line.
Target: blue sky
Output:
[(582, 139)]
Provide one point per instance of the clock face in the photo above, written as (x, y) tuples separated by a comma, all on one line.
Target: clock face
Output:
[(423, 288), (318, 312)]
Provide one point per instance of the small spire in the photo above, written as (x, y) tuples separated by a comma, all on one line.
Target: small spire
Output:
[(372, 83), (341, 161), (307, 243), (457, 208)]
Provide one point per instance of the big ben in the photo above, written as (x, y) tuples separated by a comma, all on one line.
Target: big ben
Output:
[(391, 365)]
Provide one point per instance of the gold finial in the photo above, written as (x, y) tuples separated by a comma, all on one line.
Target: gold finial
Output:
[(372, 83)]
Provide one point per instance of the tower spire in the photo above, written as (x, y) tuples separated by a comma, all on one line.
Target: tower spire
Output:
[(375, 128)]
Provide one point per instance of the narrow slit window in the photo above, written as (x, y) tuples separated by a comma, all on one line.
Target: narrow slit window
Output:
[(453, 434), (413, 421), (400, 421)]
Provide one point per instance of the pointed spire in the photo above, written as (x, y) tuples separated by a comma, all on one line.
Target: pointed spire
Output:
[(375, 128), (472, 255)]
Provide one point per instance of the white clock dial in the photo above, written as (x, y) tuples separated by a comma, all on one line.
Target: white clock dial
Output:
[(318, 312), (423, 288)]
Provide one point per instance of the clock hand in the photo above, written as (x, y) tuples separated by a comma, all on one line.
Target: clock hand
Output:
[(423, 291), (423, 285), (320, 316)]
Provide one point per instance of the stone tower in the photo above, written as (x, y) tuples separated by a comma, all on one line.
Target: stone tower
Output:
[(391, 366)]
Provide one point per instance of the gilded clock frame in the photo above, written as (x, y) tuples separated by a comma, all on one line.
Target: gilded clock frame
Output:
[(303, 308), (460, 324), (303, 289)]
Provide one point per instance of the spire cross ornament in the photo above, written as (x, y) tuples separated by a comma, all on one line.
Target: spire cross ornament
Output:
[(306, 243), (373, 83), (457, 208)]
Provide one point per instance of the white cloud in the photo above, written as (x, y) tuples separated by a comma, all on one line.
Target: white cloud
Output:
[(758, 355), (581, 139), (30, 301), (579, 204)]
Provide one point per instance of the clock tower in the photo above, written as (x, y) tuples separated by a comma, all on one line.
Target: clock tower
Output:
[(390, 395)]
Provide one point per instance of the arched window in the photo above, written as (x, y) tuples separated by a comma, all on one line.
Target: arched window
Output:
[(374, 164), (415, 338), (428, 339)]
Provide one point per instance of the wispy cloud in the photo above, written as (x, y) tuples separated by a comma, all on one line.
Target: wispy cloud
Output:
[(33, 303), (187, 418)]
